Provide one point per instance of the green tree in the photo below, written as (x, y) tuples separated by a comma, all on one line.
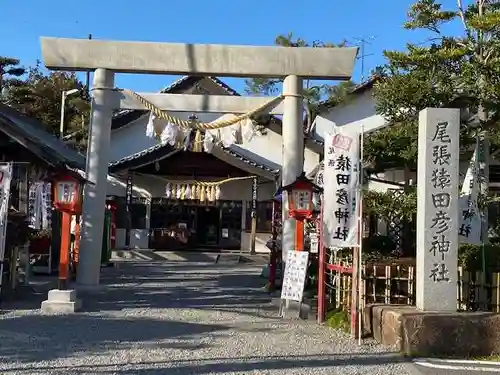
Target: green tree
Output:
[(10, 73), (444, 70), (314, 92), (40, 97), (460, 71)]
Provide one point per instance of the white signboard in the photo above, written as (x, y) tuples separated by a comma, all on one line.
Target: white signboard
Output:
[(5, 179), (314, 243), (294, 277), (47, 205), (437, 209), (341, 182), (469, 228)]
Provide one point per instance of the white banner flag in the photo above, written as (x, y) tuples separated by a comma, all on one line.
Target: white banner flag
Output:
[(340, 178), (5, 179), (469, 229)]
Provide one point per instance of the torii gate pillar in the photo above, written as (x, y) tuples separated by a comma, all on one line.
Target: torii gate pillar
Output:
[(293, 151), (89, 265)]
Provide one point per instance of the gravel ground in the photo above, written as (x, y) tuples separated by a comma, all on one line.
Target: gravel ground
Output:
[(180, 318)]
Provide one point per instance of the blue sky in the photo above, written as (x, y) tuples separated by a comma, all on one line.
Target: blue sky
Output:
[(255, 22)]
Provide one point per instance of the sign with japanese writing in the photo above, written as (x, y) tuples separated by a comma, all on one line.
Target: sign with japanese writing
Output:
[(302, 199), (254, 196), (67, 191), (294, 277), (341, 182), (469, 228), (35, 205), (437, 209)]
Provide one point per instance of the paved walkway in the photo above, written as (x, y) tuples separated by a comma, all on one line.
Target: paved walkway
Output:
[(180, 318)]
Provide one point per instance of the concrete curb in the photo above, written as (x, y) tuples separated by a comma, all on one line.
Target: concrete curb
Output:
[(457, 365)]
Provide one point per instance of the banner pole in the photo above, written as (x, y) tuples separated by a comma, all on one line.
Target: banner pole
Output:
[(360, 248), (321, 270)]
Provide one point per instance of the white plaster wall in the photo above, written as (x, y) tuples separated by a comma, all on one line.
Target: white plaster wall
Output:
[(357, 113), (270, 147)]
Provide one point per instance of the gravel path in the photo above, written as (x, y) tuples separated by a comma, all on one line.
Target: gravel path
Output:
[(180, 318)]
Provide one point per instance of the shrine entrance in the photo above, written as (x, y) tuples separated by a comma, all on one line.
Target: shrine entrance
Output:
[(109, 57), (208, 225)]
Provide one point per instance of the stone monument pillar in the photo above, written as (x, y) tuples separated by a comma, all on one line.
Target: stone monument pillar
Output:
[(437, 209)]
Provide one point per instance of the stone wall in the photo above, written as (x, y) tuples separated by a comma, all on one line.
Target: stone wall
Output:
[(419, 334)]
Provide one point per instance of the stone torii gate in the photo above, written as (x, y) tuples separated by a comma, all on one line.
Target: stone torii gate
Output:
[(109, 57)]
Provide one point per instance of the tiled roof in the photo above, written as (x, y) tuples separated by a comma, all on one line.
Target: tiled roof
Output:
[(29, 133), (252, 159), (164, 148), (160, 149)]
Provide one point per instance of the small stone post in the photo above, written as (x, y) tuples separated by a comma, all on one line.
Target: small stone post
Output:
[(437, 209)]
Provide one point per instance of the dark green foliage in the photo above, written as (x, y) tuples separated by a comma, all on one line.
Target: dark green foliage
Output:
[(39, 94), (470, 257), (460, 70)]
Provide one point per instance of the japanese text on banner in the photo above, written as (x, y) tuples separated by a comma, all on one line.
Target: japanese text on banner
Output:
[(341, 182), (469, 228)]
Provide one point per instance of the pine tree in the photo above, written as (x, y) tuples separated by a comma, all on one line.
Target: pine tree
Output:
[(461, 71), (10, 73)]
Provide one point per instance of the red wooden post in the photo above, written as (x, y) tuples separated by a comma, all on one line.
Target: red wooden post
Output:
[(299, 235), (76, 244), (64, 253)]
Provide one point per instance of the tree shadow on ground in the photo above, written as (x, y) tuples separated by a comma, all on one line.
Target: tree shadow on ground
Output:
[(151, 286), (33, 338), (222, 365)]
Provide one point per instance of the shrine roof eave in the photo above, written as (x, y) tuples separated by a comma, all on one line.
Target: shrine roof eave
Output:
[(159, 152)]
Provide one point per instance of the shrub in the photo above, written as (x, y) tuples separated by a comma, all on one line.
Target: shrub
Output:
[(470, 257)]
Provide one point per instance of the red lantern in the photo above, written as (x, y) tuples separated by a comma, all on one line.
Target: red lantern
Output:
[(68, 194), (68, 199), (300, 205), (300, 198)]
